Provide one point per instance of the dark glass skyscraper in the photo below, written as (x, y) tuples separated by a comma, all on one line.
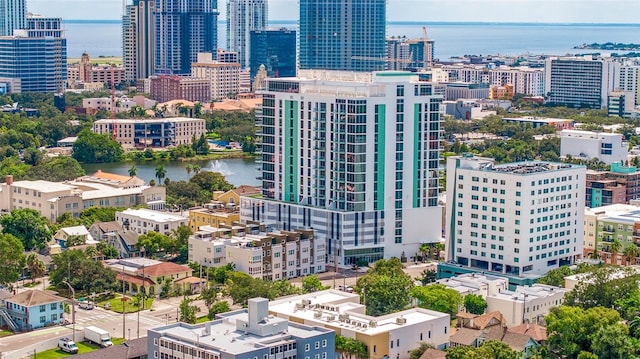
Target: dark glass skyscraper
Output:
[(342, 34), (183, 29), (276, 50)]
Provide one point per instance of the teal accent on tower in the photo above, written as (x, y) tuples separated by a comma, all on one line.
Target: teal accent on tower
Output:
[(596, 197), (291, 150), (417, 112), (381, 112)]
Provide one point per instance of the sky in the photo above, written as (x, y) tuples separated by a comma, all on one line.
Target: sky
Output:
[(549, 11)]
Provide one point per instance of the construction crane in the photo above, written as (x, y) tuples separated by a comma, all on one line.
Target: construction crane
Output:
[(114, 132), (427, 51)]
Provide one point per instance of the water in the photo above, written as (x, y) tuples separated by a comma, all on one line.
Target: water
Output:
[(238, 171), (103, 38)]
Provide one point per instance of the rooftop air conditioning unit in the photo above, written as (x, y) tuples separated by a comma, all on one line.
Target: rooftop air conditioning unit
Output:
[(401, 320)]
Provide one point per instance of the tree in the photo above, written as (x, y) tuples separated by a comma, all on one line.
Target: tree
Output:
[(497, 350), (196, 169), (94, 148), (161, 173), (35, 266), (107, 250), (28, 226), (13, 259), (385, 287), (188, 311), (475, 304), (438, 297), (417, 352), (154, 242), (209, 294), (56, 169), (612, 342), (220, 307), (350, 346), (428, 276), (555, 277), (462, 352), (188, 168), (75, 240), (311, 283), (603, 286), (211, 181), (630, 252), (424, 248), (133, 170), (82, 272), (587, 355)]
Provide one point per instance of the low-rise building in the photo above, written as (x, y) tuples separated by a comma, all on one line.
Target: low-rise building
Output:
[(32, 309), (535, 122), (605, 225), (52, 199), (64, 234), (152, 132), (126, 242), (166, 88), (587, 145), (387, 336), (151, 275), (246, 333), (466, 109), (145, 220), (526, 304), (211, 214), (475, 283), (620, 184), (257, 251)]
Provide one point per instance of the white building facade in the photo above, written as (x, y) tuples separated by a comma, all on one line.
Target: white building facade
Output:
[(353, 156), (521, 218), (243, 16), (526, 304), (607, 147), (144, 220), (224, 77)]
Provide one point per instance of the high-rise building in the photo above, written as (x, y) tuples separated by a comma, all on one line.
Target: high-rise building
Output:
[(354, 156), (224, 77), (630, 79), (276, 50), (138, 39), (244, 16), (343, 34), (581, 81), (405, 54), (12, 16), (517, 219), (41, 26), (40, 63), (183, 29)]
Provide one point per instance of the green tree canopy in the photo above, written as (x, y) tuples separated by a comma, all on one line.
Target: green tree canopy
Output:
[(56, 169), (603, 286), (438, 297), (96, 148), (613, 342), (28, 226), (311, 283), (35, 266), (82, 272), (13, 258), (475, 304), (154, 242), (385, 288), (211, 181), (219, 307), (188, 311)]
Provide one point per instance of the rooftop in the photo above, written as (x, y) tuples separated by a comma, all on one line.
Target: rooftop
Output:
[(594, 135), (156, 216), (548, 120), (527, 168), (34, 297), (44, 186), (533, 292), (135, 348), (147, 120)]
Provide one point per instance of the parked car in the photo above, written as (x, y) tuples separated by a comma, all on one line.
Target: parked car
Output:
[(85, 305), (67, 345)]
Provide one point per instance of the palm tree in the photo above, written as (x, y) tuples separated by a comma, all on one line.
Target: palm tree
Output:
[(196, 169), (630, 251), (188, 168), (35, 266), (161, 173), (424, 248), (615, 247), (634, 326), (133, 170)]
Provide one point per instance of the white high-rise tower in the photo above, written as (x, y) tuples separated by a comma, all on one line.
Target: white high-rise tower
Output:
[(244, 16)]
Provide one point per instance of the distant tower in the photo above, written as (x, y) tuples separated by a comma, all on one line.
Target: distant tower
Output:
[(260, 80), (342, 34), (183, 28), (243, 16), (85, 74), (138, 39), (12, 16)]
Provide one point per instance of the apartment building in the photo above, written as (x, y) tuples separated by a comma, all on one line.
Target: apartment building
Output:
[(526, 304), (241, 334), (387, 336), (587, 145), (152, 132), (145, 220), (52, 199), (620, 184), (138, 39), (518, 219), (610, 231), (165, 88), (223, 77), (523, 79), (630, 79), (353, 155), (258, 251)]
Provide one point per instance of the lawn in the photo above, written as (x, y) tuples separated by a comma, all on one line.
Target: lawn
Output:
[(99, 60), (130, 306), (82, 348), (4, 333)]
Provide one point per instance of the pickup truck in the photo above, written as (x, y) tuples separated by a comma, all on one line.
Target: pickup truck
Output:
[(67, 345)]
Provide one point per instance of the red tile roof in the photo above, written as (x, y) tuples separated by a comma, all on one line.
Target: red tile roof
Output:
[(164, 268)]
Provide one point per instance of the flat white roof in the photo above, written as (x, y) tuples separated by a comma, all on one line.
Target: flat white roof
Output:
[(149, 120), (156, 216), (580, 133), (44, 186), (536, 291)]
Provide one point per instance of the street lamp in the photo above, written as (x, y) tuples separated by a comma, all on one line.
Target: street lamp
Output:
[(73, 307)]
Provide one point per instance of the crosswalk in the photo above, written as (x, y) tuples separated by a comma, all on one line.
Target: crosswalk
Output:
[(109, 318)]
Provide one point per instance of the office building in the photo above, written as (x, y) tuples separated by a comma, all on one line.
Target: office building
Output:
[(343, 35), (145, 220), (276, 50), (526, 304), (621, 104), (223, 77), (165, 88), (40, 63), (387, 336), (517, 219), (587, 145), (152, 132), (138, 39), (12, 16), (241, 334), (41, 26), (608, 224), (183, 29), (244, 16), (620, 184), (582, 82), (258, 250), (630, 79), (353, 155)]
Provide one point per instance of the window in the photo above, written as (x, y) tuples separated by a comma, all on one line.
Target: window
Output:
[(307, 347), (43, 319), (43, 308), (317, 345), (324, 343)]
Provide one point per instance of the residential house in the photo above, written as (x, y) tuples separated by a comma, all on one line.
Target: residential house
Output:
[(32, 309), (126, 242), (63, 234), (151, 275)]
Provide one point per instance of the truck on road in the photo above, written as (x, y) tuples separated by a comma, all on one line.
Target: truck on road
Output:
[(67, 345), (98, 336)]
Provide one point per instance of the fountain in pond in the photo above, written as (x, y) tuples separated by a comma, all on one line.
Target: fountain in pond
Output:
[(221, 167)]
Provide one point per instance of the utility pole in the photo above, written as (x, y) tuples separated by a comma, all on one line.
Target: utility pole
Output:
[(73, 307), (124, 302)]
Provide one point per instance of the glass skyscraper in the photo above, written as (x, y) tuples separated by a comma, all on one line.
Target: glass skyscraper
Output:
[(244, 16), (342, 34), (276, 50), (183, 29), (12, 16)]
